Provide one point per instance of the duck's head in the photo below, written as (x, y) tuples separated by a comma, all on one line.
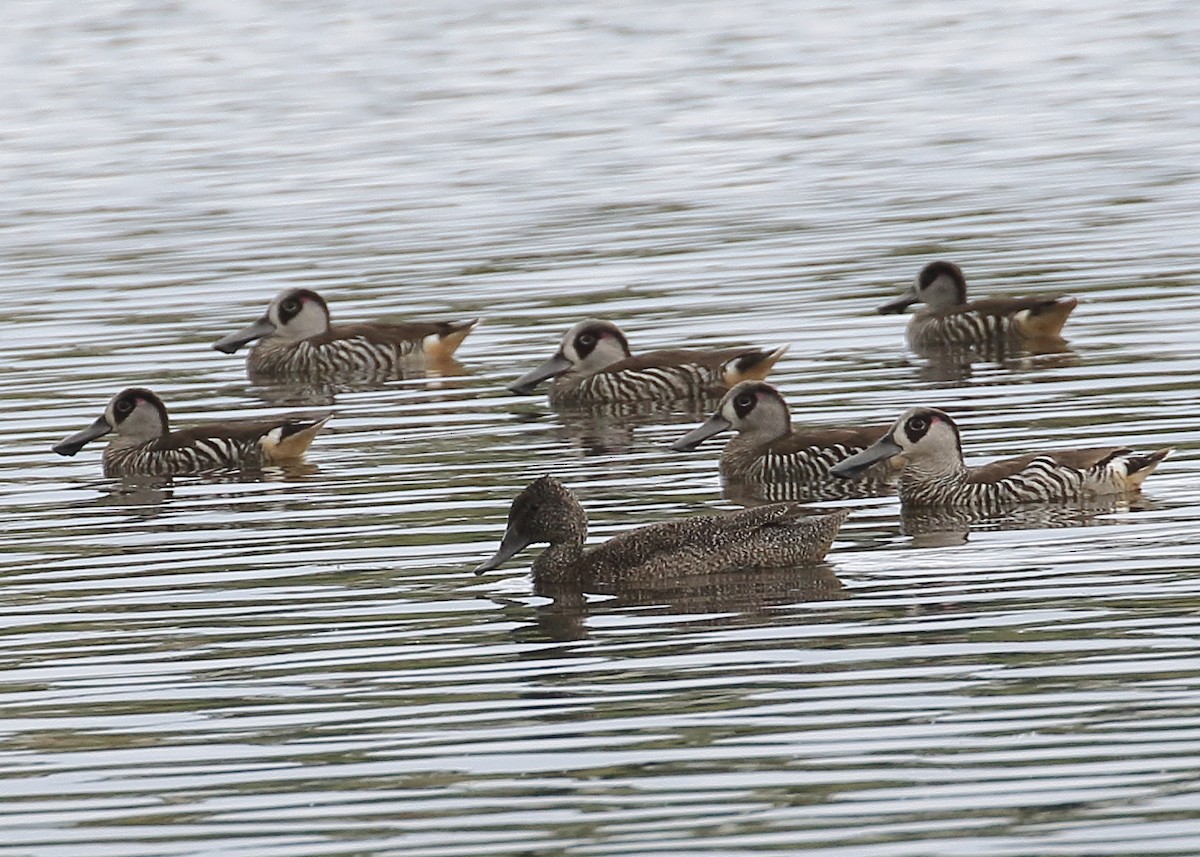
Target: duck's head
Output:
[(586, 348), (920, 435), (293, 315), (546, 511), (754, 408), (135, 414), (940, 286)]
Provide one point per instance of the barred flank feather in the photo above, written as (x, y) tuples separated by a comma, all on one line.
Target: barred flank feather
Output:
[(203, 454), (1041, 479), (339, 358), (963, 329), (634, 385)]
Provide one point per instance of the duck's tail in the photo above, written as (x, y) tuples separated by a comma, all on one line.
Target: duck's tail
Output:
[(1046, 319), (292, 439), (443, 344), (1140, 465), (754, 365)]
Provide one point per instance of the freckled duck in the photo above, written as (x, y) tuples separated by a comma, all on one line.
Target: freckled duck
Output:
[(775, 536)]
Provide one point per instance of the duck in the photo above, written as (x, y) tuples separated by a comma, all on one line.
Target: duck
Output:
[(768, 450), (949, 321), (933, 473), (145, 445), (593, 365), (775, 536), (298, 342)]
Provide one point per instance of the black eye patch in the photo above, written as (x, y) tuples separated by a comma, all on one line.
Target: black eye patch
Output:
[(585, 343), (917, 427)]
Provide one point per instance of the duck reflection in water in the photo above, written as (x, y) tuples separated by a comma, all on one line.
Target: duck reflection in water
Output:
[(954, 364), (719, 598), (931, 527), (611, 428), (148, 496), (443, 375)]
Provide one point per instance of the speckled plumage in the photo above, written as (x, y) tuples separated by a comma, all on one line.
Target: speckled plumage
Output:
[(297, 341), (786, 462), (949, 321), (927, 441), (144, 444), (594, 365), (775, 536)]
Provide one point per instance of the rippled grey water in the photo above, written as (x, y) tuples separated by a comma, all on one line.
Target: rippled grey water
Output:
[(300, 663)]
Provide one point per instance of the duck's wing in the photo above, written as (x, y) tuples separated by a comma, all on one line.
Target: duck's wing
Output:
[(1076, 459), (780, 535), (729, 365), (280, 438), (850, 438), (400, 333)]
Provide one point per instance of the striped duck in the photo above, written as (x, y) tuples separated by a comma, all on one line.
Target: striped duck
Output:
[(768, 450), (949, 320), (933, 472), (594, 365), (144, 443), (298, 341)]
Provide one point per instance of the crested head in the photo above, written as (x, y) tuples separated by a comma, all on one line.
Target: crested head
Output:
[(298, 314), (593, 344), (941, 285), (546, 511)]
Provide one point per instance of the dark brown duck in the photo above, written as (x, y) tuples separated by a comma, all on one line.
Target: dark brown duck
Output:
[(776, 536)]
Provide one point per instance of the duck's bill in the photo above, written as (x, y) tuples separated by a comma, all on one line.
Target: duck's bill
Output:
[(858, 464), (552, 368), (234, 341), (511, 545), (74, 443), (900, 304), (712, 426)]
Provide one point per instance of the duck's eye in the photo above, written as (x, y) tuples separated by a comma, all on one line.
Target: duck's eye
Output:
[(918, 424), (290, 305), (124, 406), (745, 400), (586, 339)]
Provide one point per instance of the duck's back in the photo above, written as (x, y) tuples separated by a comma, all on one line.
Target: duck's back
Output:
[(367, 349), (1072, 474), (776, 536), (800, 456), (991, 322), (234, 443), (666, 375)]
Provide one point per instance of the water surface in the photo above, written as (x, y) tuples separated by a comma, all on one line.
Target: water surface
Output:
[(299, 662)]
